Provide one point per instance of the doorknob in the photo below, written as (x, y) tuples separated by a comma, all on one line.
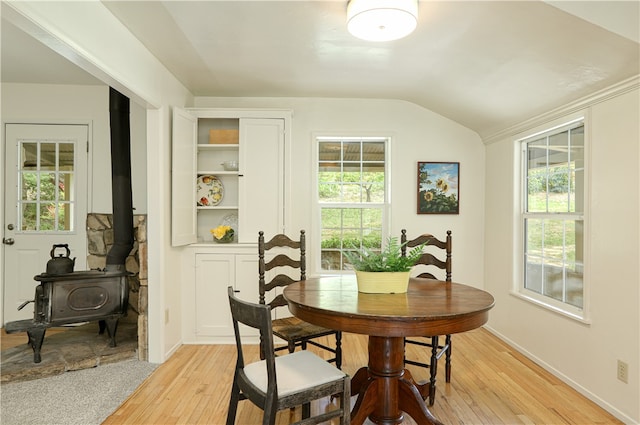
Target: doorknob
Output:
[(8, 241)]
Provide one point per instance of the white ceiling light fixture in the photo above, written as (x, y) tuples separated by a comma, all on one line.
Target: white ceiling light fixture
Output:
[(382, 20)]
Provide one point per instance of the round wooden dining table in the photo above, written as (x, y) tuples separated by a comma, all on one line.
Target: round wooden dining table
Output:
[(385, 388)]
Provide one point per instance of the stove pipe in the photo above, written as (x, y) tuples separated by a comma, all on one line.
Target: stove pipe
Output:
[(120, 181)]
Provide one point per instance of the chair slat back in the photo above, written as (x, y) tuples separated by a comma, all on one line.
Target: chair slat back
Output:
[(282, 260), (279, 261), (429, 259)]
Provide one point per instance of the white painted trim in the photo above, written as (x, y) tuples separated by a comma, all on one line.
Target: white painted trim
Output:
[(542, 302), (155, 242), (314, 261), (517, 288), (564, 378), (237, 113), (615, 90)]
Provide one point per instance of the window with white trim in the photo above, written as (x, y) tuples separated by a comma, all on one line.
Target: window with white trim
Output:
[(46, 176), (352, 196), (553, 217)]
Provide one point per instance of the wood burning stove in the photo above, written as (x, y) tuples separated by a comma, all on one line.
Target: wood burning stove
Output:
[(81, 296), (75, 297), (64, 297)]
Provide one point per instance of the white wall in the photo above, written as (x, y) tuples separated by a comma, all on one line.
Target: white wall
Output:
[(418, 135), (584, 355)]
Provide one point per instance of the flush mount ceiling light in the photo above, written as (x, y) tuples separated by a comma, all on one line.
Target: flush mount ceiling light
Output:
[(382, 20)]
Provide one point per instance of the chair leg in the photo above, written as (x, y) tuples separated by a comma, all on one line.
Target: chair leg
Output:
[(292, 346), (448, 358), (433, 370), (404, 346), (345, 402), (270, 410), (233, 403), (339, 350)]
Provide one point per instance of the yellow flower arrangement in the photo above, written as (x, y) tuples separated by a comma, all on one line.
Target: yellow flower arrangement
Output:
[(222, 234)]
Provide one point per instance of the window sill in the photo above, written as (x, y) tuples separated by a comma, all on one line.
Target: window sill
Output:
[(540, 303)]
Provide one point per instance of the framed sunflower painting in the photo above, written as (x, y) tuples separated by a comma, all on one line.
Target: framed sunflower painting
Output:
[(438, 187)]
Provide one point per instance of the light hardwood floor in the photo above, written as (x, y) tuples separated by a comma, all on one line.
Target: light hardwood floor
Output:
[(491, 384)]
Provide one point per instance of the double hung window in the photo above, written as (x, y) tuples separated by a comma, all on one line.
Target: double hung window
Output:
[(553, 217), (352, 196)]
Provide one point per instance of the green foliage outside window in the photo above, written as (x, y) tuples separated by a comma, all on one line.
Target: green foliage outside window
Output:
[(44, 205)]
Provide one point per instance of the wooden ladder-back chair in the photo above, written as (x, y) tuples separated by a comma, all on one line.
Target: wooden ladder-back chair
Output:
[(284, 382), (431, 341), (294, 331)]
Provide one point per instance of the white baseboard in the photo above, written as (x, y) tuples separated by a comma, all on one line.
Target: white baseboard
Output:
[(591, 396), (172, 351)]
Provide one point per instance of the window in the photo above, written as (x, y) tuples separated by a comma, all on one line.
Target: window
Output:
[(553, 217), (352, 196), (46, 178)]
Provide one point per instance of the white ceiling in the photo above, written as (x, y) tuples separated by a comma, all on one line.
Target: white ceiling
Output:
[(484, 64)]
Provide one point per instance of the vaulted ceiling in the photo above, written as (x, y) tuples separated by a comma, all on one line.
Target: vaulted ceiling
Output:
[(485, 64)]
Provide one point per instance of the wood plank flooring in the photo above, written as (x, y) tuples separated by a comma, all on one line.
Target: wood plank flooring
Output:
[(491, 384)]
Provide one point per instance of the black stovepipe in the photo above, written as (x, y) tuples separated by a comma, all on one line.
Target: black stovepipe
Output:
[(120, 181)]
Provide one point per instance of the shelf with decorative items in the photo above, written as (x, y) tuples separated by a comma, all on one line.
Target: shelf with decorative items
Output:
[(218, 158), (218, 151), (237, 162)]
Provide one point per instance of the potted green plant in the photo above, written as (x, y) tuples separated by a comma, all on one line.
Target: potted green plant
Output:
[(386, 271)]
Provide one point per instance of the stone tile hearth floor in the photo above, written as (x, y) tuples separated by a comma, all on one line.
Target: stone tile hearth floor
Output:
[(75, 348)]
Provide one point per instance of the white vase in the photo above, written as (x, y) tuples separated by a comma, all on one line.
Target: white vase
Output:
[(382, 282)]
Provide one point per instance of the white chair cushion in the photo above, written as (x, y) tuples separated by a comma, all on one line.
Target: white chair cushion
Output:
[(295, 372)]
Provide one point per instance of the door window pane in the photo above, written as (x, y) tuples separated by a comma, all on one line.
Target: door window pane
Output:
[(46, 177)]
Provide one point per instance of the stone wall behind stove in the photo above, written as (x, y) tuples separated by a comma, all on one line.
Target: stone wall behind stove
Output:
[(100, 239)]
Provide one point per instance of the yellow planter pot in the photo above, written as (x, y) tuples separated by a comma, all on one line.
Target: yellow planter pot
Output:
[(382, 282)]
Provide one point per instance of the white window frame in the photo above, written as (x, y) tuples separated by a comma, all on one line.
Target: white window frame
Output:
[(519, 289), (316, 239), (68, 172)]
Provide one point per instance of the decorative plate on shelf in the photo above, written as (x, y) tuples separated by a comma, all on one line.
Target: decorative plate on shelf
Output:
[(209, 191)]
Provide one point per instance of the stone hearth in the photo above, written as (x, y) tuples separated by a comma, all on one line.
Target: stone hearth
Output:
[(68, 349)]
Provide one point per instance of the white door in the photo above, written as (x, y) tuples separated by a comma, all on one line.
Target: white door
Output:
[(183, 176), (45, 201), (261, 187)]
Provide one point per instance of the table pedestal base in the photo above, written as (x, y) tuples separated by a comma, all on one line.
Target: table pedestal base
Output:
[(386, 389)]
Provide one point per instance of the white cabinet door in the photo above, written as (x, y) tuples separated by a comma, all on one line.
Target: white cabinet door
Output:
[(247, 275), (247, 284), (261, 183), (183, 177), (214, 273)]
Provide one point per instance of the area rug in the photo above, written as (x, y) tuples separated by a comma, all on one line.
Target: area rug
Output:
[(83, 397)]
